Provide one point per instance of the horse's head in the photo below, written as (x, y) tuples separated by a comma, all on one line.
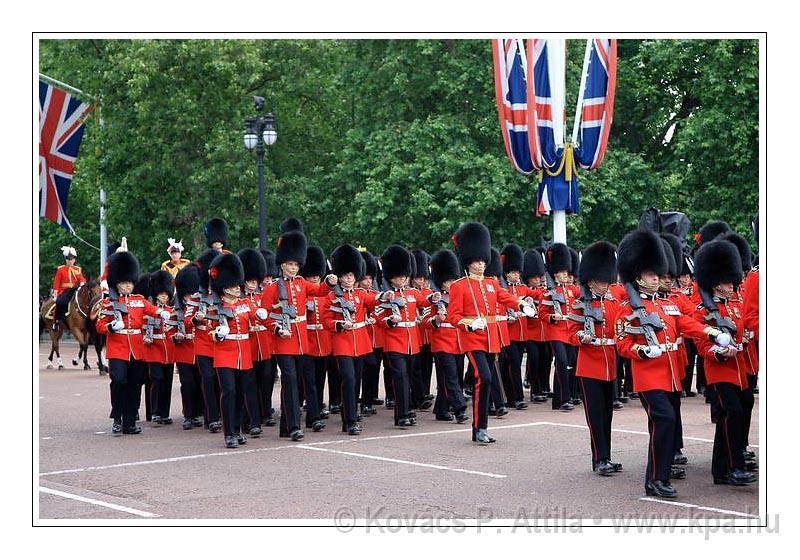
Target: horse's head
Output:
[(92, 288)]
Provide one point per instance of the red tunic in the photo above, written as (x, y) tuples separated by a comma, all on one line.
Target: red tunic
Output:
[(664, 372), (128, 343), (203, 345), (423, 313), (560, 330), (354, 342), (67, 277), (320, 342), (597, 359), (443, 336), (259, 334), (718, 369), (402, 338), (749, 295), (535, 327), (298, 289), (184, 350), (472, 297), (234, 351), (518, 330), (162, 350)]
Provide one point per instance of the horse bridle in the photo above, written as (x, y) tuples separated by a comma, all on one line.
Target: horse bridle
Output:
[(78, 303)]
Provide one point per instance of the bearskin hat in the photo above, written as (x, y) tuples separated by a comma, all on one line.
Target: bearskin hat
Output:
[(598, 262), (676, 250), (290, 224), (292, 246), (122, 267), (511, 255), (142, 286), (162, 281), (717, 262), (576, 260), (712, 230), (559, 258), (254, 265), (226, 271), (444, 267), (346, 258), (269, 259), (396, 261), (494, 267), (640, 251), (532, 264), (187, 282), (472, 242), (370, 265), (316, 264), (672, 266), (203, 262), (216, 230), (744, 249), (422, 261)]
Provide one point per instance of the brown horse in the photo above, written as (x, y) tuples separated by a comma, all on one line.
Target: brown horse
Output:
[(80, 323)]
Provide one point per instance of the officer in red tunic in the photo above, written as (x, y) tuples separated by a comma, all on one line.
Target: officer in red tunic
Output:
[(398, 319), (554, 317), (718, 270), (539, 353), (473, 308), (198, 308), (444, 342), (268, 383), (285, 301), (315, 364), (122, 320), (344, 313), (159, 347), (653, 349), (67, 279), (255, 270), (593, 333), (187, 283), (232, 358)]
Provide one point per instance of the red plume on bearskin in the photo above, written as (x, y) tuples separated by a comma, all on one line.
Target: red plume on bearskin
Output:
[(203, 262), (225, 271)]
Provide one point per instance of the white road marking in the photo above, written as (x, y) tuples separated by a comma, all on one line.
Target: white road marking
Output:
[(419, 434), (401, 461), (99, 433), (124, 509), (48, 437), (76, 395), (705, 508), (705, 440)]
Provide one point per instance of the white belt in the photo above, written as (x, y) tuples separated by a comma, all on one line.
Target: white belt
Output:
[(502, 317), (669, 347), (407, 324), (201, 327), (300, 319), (188, 336), (679, 340), (158, 337), (128, 331), (241, 336), (315, 327), (602, 342), (359, 325), (446, 326), (257, 328)]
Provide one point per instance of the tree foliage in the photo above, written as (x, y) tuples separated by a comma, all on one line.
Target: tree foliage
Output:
[(384, 141)]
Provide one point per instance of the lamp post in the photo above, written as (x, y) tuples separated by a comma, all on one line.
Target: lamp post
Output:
[(260, 133)]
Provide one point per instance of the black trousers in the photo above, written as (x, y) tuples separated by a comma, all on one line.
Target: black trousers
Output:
[(211, 390), (565, 372), (189, 376), (318, 364), (399, 367), (126, 381), (498, 395), (449, 395), (161, 387), (701, 374), (146, 382), (349, 370), (730, 435), (265, 372), (691, 354), (675, 401), (483, 364), (292, 368), (238, 391), (334, 381), (661, 425), (624, 376), (514, 353), (540, 358), (308, 389), (388, 387), (748, 401), (421, 378), (370, 376), (598, 405)]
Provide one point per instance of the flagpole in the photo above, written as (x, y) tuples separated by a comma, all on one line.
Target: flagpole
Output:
[(62, 84), (103, 229)]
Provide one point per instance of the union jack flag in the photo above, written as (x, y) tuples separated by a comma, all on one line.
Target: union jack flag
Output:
[(512, 105), (60, 134), (597, 109), (546, 116)]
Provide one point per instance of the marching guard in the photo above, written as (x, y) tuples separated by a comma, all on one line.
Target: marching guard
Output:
[(187, 283), (159, 346)]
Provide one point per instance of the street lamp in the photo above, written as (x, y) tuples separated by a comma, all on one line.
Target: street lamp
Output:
[(259, 133)]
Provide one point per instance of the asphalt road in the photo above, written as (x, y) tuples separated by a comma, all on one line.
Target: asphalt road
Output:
[(539, 467)]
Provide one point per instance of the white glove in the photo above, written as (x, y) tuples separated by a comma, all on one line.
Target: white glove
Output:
[(261, 313), (116, 326), (652, 351), (165, 315), (478, 324), (221, 332), (529, 311), (723, 339)]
